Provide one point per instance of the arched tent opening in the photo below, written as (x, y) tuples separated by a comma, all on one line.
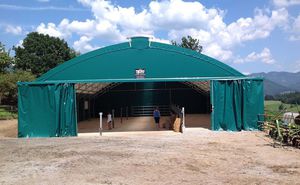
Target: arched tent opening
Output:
[(122, 67), (135, 101)]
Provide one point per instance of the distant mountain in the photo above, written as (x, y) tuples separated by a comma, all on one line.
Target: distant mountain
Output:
[(280, 82), (272, 88)]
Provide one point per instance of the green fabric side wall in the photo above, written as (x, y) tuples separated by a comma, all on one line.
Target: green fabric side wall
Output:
[(236, 104), (46, 111), (66, 114), (253, 99)]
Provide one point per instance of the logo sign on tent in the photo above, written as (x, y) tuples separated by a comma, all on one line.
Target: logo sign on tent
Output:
[(140, 73)]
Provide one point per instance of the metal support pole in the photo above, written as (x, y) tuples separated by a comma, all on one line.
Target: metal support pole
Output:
[(113, 118), (94, 108), (183, 120), (126, 113), (89, 108), (121, 114), (83, 111), (100, 128), (170, 97), (77, 107)]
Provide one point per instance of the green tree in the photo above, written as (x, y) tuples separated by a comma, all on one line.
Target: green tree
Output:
[(8, 84), (190, 43), (290, 98), (39, 53), (5, 59), (269, 97), (281, 107)]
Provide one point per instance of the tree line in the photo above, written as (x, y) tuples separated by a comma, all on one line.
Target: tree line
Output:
[(38, 54), (289, 98)]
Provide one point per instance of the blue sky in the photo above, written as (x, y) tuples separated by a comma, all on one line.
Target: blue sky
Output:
[(251, 36)]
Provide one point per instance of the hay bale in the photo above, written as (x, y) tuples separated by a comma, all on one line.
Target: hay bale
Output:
[(172, 120), (177, 124)]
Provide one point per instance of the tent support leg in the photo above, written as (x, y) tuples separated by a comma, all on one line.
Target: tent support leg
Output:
[(113, 118), (183, 120), (100, 128)]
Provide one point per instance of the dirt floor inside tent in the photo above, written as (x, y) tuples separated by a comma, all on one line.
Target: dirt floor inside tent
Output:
[(131, 124), (199, 156)]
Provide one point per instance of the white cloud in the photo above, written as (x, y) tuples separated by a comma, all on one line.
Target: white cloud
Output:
[(124, 18), (265, 56), (20, 44), (218, 40), (178, 14), (165, 41), (51, 30), (83, 46), (215, 50), (245, 29), (15, 30), (177, 18), (295, 29), (80, 27), (286, 3)]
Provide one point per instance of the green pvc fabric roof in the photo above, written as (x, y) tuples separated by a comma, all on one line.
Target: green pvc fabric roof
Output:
[(117, 63)]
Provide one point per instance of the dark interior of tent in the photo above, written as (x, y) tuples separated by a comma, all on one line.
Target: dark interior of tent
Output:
[(139, 99)]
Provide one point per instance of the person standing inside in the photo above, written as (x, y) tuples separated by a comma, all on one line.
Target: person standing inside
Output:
[(109, 121), (156, 115)]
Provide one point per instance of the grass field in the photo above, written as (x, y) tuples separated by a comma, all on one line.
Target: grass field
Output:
[(273, 106), (4, 114)]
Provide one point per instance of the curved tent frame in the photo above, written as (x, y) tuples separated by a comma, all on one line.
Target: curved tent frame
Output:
[(47, 106), (161, 62)]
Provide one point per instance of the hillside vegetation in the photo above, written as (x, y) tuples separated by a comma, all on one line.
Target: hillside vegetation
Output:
[(6, 114), (274, 107), (279, 82)]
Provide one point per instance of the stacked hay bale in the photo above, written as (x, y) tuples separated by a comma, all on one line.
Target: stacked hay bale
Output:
[(177, 125)]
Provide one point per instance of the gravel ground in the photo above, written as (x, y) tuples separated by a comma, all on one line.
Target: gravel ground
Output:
[(198, 156)]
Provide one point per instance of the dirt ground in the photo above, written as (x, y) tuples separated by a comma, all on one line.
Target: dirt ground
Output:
[(8, 128), (199, 156)]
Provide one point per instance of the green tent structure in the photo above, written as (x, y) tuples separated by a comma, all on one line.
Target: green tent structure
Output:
[(137, 73)]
